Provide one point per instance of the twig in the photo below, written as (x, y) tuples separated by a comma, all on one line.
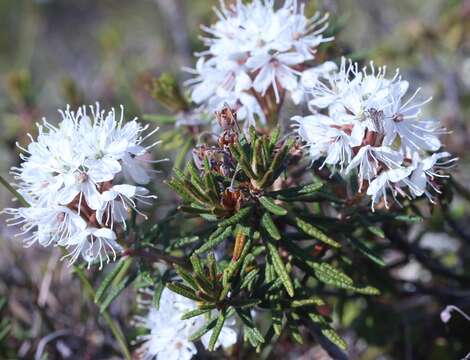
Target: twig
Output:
[(452, 223), (431, 264), (155, 255)]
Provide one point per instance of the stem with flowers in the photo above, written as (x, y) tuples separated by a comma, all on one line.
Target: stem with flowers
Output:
[(266, 231)]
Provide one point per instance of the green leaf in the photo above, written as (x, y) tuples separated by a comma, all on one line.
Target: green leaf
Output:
[(250, 330), (273, 208), (203, 330), (316, 233), (274, 137), (209, 181), (181, 189), (373, 229), (193, 172), (194, 208), (293, 326), (368, 290), (209, 217), (240, 155), (299, 191), (281, 155), (269, 272), (204, 285), (217, 329), (237, 218), (409, 218), (179, 174), (276, 318), (233, 267), (244, 303), (328, 332), (157, 293), (115, 292), (214, 241), (197, 265), (333, 336), (315, 301), (193, 313), (186, 276), (249, 279), (183, 241), (376, 231), (180, 157), (249, 260), (183, 290), (212, 266), (330, 275), (367, 251), (268, 224), (257, 163), (280, 269), (106, 283)]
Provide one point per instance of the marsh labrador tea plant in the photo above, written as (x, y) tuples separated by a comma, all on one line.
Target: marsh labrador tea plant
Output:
[(294, 169)]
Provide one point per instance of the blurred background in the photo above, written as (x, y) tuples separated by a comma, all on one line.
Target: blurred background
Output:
[(58, 52)]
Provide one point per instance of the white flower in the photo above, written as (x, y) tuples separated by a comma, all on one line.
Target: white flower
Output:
[(84, 185), (275, 71), (327, 138), (371, 160), (168, 334), (73, 177), (117, 202), (256, 52), (46, 225), (310, 78), (387, 180), (92, 244), (424, 173), (367, 126)]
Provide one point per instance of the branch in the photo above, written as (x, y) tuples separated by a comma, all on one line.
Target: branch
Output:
[(154, 255), (428, 262)]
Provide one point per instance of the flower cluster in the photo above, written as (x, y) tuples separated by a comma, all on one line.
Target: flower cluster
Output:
[(73, 179), (168, 335), (371, 126), (255, 53)]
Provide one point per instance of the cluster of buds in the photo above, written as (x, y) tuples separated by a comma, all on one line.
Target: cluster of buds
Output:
[(234, 171)]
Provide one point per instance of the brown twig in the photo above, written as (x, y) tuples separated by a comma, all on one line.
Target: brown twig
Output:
[(154, 255)]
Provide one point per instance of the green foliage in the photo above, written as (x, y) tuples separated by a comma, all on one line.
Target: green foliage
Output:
[(166, 90), (257, 217)]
